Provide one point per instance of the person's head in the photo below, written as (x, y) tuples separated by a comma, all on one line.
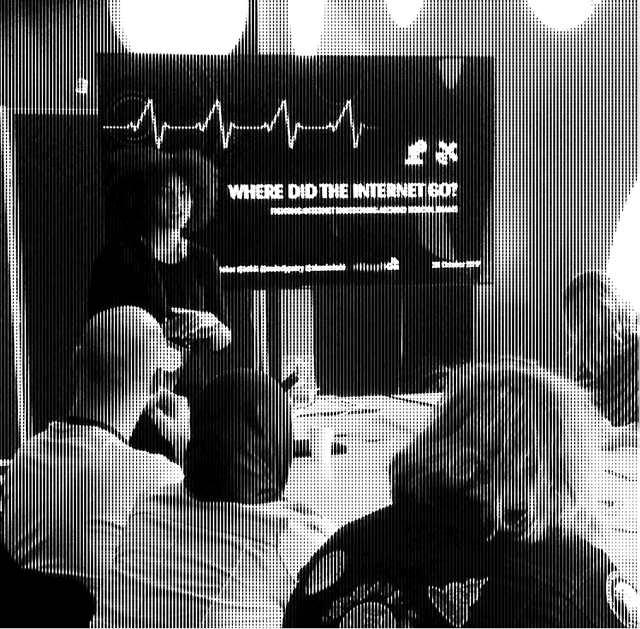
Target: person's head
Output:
[(241, 444), (167, 199), (599, 321), (514, 442), (117, 362), (149, 190)]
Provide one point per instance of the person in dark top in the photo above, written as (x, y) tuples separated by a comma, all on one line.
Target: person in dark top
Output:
[(604, 350), (492, 512), (153, 266)]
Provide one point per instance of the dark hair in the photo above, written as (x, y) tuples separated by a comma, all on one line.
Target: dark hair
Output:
[(241, 444), (135, 175)]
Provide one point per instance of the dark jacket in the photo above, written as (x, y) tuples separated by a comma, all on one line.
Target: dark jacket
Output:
[(409, 569), (126, 274)]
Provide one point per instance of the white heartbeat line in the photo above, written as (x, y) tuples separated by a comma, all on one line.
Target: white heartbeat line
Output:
[(225, 134)]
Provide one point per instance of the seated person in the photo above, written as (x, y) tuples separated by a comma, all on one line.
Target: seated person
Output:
[(489, 524), (224, 537), (604, 352), (155, 265), (33, 599), (69, 490)]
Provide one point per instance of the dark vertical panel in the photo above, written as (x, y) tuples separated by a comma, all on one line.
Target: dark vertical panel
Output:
[(437, 333), (357, 339), (9, 432), (57, 170)]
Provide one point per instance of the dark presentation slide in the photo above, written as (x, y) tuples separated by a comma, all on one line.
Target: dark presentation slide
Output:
[(331, 170)]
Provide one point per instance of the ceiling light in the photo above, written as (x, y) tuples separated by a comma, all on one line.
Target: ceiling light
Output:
[(404, 12), (208, 27), (563, 15), (306, 23)]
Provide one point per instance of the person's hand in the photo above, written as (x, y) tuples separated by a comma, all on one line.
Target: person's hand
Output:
[(171, 414), (194, 325), (182, 325)]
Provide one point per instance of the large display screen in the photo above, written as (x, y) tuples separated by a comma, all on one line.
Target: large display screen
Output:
[(343, 170)]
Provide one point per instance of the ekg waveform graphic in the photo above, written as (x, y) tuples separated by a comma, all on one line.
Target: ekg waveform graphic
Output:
[(226, 132)]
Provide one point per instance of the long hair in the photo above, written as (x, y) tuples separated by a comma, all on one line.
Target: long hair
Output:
[(514, 440)]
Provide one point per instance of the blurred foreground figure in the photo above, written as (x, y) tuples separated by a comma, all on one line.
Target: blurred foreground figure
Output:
[(492, 516)]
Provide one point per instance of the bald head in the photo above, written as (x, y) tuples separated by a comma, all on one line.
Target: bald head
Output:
[(119, 353)]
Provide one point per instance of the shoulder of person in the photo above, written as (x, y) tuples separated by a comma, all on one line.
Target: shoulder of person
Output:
[(561, 555), (155, 470), (38, 446), (303, 517), (581, 574)]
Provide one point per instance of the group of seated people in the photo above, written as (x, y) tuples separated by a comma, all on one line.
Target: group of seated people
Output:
[(493, 522)]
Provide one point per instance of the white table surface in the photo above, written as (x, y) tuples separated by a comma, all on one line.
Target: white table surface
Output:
[(357, 482)]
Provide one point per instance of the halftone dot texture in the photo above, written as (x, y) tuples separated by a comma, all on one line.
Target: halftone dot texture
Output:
[(565, 160)]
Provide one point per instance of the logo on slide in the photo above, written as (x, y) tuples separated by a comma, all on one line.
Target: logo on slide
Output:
[(414, 152), (447, 152)]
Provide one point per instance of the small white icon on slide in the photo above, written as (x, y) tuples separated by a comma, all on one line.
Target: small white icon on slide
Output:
[(447, 152), (414, 151), (393, 265)]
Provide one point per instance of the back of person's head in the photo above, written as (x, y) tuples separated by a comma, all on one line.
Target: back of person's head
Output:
[(241, 444), (119, 353), (515, 442), (591, 300)]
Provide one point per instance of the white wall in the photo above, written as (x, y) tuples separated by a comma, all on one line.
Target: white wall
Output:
[(566, 145)]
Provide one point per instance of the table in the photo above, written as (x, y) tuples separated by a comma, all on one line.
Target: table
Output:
[(357, 483), (373, 428)]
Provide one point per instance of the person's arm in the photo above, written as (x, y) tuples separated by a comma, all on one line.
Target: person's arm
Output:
[(306, 532), (171, 414), (208, 329)]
